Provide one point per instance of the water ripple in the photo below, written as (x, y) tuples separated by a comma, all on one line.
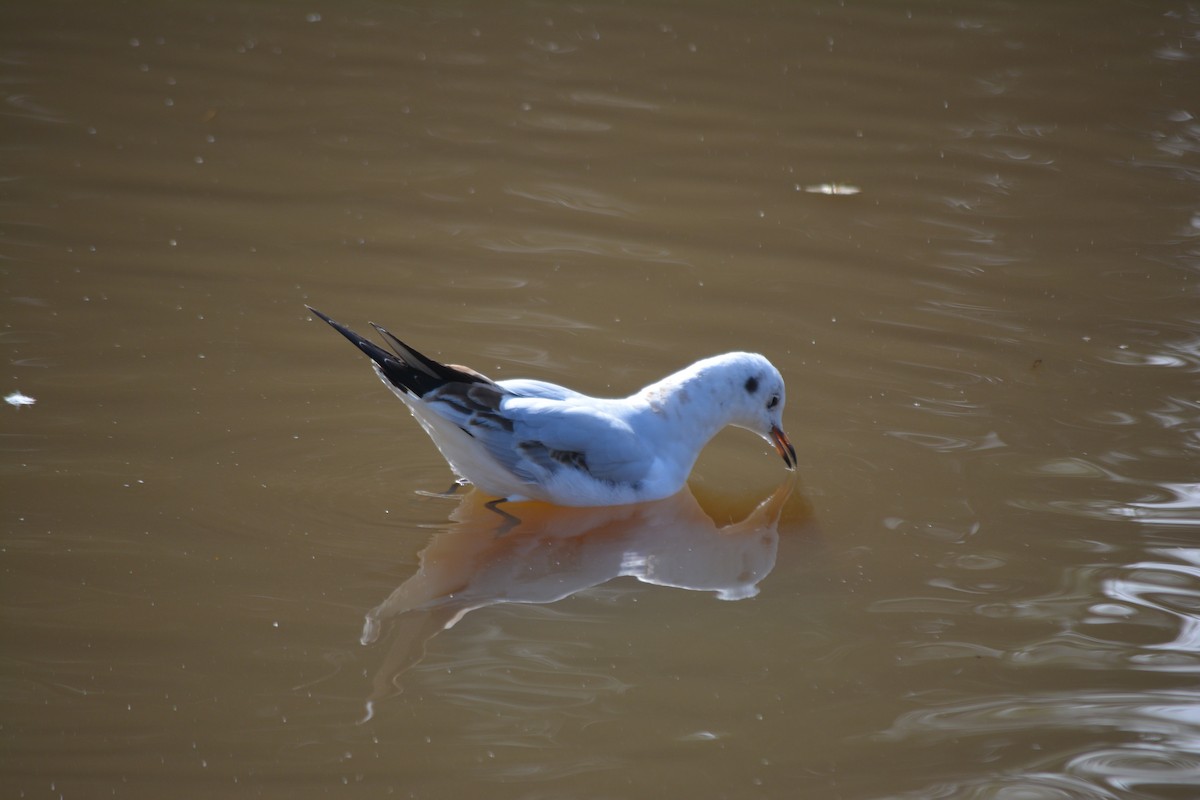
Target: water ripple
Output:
[(525, 355), (545, 241), (1143, 616), (522, 317), (605, 100), (566, 123), (1023, 786), (1173, 504), (574, 198), (1171, 591), (944, 443), (1168, 717), (1134, 768), (28, 108), (530, 677), (1180, 354)]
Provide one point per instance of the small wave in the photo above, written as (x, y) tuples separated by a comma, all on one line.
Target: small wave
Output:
[(574, 198)]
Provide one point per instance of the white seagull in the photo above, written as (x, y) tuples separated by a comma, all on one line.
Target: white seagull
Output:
[(525, 439)]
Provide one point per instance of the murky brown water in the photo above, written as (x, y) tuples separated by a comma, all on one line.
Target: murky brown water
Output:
[(218, 576)]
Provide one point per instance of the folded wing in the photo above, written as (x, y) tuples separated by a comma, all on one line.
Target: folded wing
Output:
[(536, 437)]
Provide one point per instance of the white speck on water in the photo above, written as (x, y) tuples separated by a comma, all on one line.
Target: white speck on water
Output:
[(17, 399), (831, 188)]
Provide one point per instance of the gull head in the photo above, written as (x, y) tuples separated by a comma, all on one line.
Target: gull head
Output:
[(757, 400)]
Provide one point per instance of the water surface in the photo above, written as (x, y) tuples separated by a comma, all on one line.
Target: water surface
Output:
[(966, 233)]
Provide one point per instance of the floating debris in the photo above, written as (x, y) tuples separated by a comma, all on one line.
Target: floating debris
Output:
[(832, 188), (16, 399)]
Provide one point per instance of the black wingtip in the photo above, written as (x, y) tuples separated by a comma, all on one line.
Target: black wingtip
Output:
[(372, 350), (409, 356), (318, 313), (407, 369)]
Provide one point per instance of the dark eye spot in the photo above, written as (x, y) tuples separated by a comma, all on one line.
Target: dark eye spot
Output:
[(752, 384), (774, 401)]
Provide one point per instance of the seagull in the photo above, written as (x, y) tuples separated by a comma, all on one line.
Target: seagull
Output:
[(523, 439)]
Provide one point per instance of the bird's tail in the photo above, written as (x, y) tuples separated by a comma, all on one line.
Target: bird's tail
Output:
[(406, 369)]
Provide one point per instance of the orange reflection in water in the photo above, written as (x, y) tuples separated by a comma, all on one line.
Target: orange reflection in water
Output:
[(555, 552)]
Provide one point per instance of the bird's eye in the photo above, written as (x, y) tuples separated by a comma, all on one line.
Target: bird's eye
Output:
[(774, 401)]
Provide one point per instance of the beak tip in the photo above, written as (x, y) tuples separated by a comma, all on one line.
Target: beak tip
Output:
[(784, 447)]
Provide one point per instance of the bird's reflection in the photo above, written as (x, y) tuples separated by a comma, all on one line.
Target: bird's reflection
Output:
[(553, 552)]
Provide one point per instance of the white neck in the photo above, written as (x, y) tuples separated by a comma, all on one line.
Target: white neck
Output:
[(694, 403)]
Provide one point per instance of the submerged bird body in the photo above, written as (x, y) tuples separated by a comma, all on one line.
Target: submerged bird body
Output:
[(531, 440)]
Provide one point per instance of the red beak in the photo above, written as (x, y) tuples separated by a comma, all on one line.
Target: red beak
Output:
[(783, 447)]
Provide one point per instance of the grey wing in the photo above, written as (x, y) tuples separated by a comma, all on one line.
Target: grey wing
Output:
[(576, 435), (535, 437)]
